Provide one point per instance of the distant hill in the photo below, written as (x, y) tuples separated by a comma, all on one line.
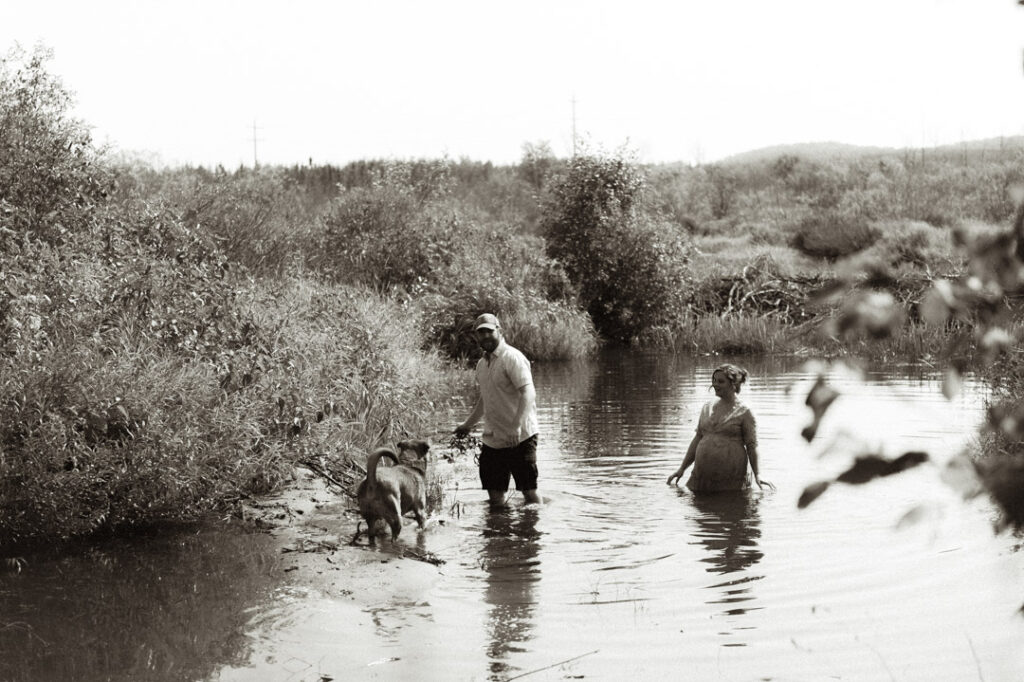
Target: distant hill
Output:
[(824, 151)]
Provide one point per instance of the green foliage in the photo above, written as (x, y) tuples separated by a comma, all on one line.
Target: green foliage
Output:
[(833, 235), (499, 271), (382, 236), (722, 189), (540, 328), (977, 316), (260, 218), (537, 164), (144, 376), (49, 177), (676, 192), (733, 335), (628, 264), (912, 246)]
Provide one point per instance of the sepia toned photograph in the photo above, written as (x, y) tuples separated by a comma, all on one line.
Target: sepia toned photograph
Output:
[(543, 341)]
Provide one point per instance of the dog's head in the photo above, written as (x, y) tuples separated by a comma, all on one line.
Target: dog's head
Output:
[(414, 450)]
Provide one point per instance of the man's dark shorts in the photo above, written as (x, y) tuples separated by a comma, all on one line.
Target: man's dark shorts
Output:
[(520, 462)]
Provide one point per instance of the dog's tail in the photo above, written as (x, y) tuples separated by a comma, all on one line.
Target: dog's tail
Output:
[(371, 465)]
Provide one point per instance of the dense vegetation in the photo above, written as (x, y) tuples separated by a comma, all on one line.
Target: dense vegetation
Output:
[(174, 339)]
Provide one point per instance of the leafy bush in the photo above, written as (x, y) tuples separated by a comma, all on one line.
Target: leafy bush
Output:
[(628, 265), (721, 188), (678, 193), (383, 236), (260, 218), (912, 244), (49, 175), (833, 235), (537, 164), (542, 329)]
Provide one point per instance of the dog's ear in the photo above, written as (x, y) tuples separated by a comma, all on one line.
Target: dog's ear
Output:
[(420, 447)]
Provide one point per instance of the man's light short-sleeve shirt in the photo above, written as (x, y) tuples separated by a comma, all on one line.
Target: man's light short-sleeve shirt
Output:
[(500, 377)]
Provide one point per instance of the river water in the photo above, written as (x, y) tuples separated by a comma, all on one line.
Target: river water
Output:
[(616, 576)]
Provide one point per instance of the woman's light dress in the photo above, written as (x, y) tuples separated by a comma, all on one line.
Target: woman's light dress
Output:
[(721, 461)]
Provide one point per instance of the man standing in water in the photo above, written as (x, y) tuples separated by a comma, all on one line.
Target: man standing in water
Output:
[(507, 403)]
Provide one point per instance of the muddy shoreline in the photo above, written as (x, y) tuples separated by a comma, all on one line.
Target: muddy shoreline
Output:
[(313, 523)]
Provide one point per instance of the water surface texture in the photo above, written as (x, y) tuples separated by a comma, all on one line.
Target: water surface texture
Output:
[(616, 576)]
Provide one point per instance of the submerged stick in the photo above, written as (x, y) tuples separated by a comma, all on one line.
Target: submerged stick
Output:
[(548, 667)]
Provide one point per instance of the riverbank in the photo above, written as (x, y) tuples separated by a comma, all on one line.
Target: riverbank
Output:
[(313, 523)]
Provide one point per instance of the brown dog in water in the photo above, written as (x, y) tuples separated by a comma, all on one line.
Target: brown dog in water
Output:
[(389, 492)]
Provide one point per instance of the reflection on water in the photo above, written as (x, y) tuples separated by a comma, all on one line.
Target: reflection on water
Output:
[(168, 606), (728, 529), (509, 558)]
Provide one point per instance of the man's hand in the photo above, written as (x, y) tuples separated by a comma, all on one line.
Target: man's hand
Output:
[(514, 439)]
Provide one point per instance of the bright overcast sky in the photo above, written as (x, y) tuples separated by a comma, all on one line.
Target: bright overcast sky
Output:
[(674, 80)]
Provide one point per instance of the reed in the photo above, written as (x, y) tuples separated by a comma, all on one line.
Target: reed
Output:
[(733, 335), (551, 333)]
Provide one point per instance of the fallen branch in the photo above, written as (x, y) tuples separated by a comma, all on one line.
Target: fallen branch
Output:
[(548, 667), (321, 472)]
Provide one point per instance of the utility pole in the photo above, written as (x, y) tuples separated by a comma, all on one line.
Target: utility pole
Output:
[(255, 160)]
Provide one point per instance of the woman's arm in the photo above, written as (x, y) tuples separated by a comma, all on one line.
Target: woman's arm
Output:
[(752, 458), (750, 444), (691, 454)]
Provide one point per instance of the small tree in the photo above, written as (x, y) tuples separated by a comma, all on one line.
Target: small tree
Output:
[(723, 188), (627, 263), (384, 235), (48, 171), (537, 164)]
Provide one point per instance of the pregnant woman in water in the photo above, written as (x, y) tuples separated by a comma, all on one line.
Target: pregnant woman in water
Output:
[(725, 441)]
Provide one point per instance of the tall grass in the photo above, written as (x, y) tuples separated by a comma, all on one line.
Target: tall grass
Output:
[(551, 332), (734, 335)]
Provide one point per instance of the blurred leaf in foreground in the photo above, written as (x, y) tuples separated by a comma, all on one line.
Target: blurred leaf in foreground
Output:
[(811, 493), (819, 399), (865, 468), (868, 467), (1004, 480)]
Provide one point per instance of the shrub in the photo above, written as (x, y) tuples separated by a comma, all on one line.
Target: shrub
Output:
[(537, 164), (911, 244), (833, 235), (260, 218), (722, 189), (383, 236), (678, 192), (49, 173), (627, 264), (734, 335), (540, 328)]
